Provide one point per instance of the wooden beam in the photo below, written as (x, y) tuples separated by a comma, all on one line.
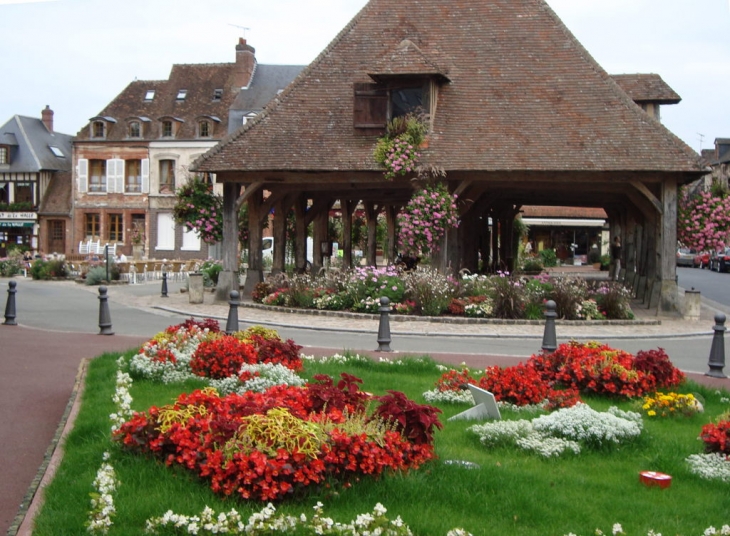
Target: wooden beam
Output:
[(643, 190), (248, 192)]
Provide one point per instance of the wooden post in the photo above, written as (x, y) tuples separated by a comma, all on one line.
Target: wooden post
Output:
[(254, 274), (348, 207), (667, 248), (228, 278), (281, 208), (371, 213), (300, 227), (391, 214)]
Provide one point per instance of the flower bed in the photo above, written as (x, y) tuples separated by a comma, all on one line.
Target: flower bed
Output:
[(267, 446), (427, 292)]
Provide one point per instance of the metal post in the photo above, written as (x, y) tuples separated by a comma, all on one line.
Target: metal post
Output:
[(232, 322), (10, 305), (549, 340), (164, 283), (105, 319), (384, 326), (106, 258), (717, 351)]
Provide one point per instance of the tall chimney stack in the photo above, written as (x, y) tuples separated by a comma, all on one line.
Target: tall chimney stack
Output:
[(47, 118), (245, 63)]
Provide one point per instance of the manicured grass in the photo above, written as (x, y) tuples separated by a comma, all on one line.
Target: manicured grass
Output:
[(511, 493)]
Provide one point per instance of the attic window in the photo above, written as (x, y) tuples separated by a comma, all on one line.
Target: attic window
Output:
[(167, 129), (182, 94), (98, 129), (135, 129), (149, 95), (376, 104), (217, 94), (3, 155), (56, 151), (204, 129)]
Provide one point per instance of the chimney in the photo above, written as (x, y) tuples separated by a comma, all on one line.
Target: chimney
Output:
[(47, 118), (245, 63)]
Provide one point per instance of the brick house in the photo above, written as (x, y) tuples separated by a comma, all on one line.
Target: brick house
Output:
[(132, 156), (35, 164), (519, 114)]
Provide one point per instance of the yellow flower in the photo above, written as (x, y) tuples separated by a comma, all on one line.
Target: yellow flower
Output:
[(651, 413)]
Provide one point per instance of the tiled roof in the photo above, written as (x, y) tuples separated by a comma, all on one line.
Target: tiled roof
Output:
[(523, 95), (646, 88), (200, 81), (57, 198), (33, 141)]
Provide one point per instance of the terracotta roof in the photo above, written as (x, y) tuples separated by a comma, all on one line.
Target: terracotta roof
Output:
[(406, 59), (524, 95), (646, 88), (200, 81), (532, 211), (57, 199)]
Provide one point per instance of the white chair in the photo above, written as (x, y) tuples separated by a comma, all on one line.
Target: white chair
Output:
[(83, 248)]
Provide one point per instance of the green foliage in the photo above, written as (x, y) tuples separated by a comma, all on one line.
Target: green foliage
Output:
[(16, 207), (549, 258), (10, 267), (532, 265), (210, 270), (396, 151), (96, 275), (41, 269)]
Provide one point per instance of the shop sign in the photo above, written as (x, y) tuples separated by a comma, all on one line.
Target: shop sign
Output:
[(16, 224), (18, 215)]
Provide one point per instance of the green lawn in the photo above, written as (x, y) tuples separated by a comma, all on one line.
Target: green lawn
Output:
[(510, 493)]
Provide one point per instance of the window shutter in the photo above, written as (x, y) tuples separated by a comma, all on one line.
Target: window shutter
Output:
[(370, 106), (120, 176), (111, 176), (82, 173), (145, 175)]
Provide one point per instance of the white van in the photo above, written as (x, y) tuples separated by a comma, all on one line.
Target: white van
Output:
[(267, 248)]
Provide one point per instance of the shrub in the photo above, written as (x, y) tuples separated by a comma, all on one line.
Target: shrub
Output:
[(211, 269), (430, 290), (10, 267), (260, 291), (549, 258), (41, 269), (96, 275), (569, 294), (614, 300), (656, 363), (532, 265), (416, 422), (508, 296)]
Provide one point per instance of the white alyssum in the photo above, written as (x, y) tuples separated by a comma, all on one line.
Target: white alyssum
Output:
[(711, 466), (267, 521), (269, 374), (102, 500), (583, 423), (122, 400)]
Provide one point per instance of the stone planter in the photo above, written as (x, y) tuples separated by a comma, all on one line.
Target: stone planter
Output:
[(137, 251)]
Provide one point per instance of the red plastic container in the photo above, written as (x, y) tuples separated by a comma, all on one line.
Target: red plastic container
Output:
[(652, 478)]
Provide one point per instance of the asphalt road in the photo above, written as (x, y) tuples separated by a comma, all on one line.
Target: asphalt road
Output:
[(71, 308)]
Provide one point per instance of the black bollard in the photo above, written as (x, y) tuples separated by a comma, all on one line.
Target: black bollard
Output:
[(384, 326), (164, 284), (105, 319), (10, 305), (717, 351), (549, 340), (232, 323)]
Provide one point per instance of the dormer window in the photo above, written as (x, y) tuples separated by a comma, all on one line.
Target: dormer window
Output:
[(134, 130), (167, 129), (182, 94), (217, 95), (98, 129), (248, 117), (149, 95), (204, 129), (4, 156)]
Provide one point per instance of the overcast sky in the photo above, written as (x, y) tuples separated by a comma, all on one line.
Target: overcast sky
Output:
[(77, 55)]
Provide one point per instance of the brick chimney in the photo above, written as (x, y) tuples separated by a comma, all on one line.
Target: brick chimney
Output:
[(245, 63), (47, 118)]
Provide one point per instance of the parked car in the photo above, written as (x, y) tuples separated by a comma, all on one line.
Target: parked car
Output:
[(720, 260), (685, 257), (702, 260)]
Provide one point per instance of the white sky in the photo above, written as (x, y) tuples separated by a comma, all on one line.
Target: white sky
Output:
[(77, 55)]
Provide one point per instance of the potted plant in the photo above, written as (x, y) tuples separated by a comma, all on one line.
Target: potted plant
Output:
[(594, 257), (605, 262), (137, 239)]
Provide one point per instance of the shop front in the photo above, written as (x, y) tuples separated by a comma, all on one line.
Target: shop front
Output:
[(18, 230)]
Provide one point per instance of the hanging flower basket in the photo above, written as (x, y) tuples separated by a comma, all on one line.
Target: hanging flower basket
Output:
[(397, 151), (424, 221)]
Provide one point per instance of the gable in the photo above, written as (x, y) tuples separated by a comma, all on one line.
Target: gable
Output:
[(521, 94)]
